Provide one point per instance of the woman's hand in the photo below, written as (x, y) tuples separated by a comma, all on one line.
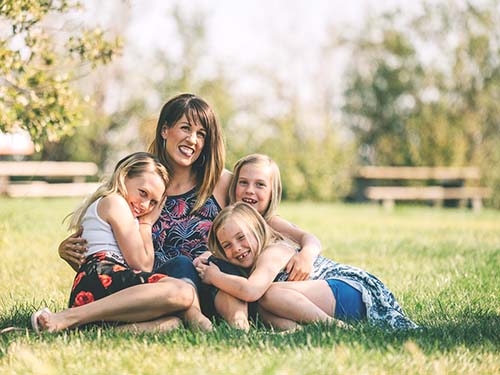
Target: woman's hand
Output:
[(73, 249), (207, 271), (299, 267)]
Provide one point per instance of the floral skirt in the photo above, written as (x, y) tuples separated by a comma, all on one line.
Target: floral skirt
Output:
[(105, 273)]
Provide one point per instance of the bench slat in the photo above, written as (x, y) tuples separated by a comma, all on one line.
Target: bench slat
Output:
[(419, 173), (425, 192), (47, 168), (75, 189)]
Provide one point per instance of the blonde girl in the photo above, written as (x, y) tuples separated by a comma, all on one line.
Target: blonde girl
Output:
[(335, 291), (257, 181), (117, 221)]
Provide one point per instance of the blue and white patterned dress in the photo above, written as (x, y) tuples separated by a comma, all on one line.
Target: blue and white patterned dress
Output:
[(382, 309)]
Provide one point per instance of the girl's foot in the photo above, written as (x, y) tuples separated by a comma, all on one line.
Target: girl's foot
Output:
[(197, 320), (40, 320)]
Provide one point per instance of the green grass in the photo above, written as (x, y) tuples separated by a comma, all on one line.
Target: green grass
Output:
[(442, 264)]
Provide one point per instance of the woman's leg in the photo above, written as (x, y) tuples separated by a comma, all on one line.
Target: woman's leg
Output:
[(195, 318), (135, 304), (163, 324), (181, 267), (301, 301), (232, 310)]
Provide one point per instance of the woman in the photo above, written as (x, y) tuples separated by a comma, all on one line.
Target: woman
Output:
[(189, 143), (335, 292)]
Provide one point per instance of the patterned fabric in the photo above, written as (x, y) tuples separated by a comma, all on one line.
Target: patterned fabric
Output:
[(178, 232), (103, 274), (382, 309)]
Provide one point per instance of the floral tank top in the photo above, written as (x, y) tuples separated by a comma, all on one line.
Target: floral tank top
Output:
[(178, 232)]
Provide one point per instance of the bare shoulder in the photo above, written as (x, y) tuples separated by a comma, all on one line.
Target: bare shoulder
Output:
[(275, 256), (112, 205), (221, 191), (225, 178), (278, 249)]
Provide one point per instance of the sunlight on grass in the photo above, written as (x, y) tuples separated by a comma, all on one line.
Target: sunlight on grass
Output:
[(442, 265)]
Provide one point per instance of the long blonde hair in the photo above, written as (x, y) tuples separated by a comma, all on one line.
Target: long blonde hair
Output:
[(251, 219), (130, 166), (210, 164), (276, 187)]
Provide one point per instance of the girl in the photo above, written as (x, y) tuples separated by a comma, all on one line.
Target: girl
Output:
[(240, 235), (189, 144), (117, 221), (257, 181)]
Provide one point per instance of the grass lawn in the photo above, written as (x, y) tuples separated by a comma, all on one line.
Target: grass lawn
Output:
[(442, 265)]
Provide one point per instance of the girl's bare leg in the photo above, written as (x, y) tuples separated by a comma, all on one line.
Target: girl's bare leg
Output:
[(233, 310), (195, 318), (301, 301), (277, 322), (164, 324), (135, 304)]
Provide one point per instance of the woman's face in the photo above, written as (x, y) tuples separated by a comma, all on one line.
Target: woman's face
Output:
[(254, 186), (238, 243), (144, 192), (184, 142)]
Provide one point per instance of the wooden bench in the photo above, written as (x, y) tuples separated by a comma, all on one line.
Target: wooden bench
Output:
[(59, 178), (448, 183)]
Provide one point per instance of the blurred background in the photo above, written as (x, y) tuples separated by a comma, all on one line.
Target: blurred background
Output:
[(323, 87)]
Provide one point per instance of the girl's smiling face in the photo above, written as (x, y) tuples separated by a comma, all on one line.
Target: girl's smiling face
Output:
[(144, 192), (253, 185), (238, 243)]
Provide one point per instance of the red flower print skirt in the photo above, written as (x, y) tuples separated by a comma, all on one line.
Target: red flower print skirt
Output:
[(105, 273)]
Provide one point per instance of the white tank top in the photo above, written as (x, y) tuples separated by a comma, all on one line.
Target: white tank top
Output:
[(97, 232)]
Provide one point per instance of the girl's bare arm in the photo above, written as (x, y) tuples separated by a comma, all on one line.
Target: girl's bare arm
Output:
[(270, 263), (300, 265)]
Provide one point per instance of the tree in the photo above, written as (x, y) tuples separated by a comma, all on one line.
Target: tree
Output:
[(39, 61), (424, 91)]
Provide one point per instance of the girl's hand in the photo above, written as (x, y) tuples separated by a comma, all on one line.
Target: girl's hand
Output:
[(207, 271), (152, 216), (73, 249), (299, 267), (203, 258)]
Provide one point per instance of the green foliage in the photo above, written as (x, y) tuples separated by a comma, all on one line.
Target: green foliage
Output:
[(425, 91), (312, 167), (39, 64), (441, 264)]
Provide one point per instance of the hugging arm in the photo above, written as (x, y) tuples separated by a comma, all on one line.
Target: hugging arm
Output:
[(269, 264), (72, 249), (300, 265)]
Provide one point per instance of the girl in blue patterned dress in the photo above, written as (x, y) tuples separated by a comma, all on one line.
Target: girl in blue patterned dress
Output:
[(189, 143), (335, 293), (116, 282)]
